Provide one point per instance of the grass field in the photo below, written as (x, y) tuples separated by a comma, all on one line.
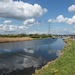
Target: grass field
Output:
[(63, 65), (14, 39)]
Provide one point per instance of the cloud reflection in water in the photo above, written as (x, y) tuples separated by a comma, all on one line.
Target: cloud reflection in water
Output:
[(21, 55)]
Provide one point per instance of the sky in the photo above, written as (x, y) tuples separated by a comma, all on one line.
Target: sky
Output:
[(35, 16)]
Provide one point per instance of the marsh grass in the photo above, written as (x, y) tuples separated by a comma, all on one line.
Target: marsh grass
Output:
[(14, 39)]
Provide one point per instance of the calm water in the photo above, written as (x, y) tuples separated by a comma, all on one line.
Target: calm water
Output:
[(22, 58)]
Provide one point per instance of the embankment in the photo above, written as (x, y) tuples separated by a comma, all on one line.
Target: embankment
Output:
[(64, 64)]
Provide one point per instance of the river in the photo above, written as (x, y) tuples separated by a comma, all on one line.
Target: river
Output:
[(22, 58)]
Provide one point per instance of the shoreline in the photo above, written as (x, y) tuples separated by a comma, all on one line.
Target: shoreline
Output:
[(49, 64), (14, 39), (18, 39)]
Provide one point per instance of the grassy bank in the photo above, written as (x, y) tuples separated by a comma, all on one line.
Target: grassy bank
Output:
[(12, 39), (63, 65)]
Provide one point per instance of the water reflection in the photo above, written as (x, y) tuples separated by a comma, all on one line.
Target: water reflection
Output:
[(23, 56), (19, 60)]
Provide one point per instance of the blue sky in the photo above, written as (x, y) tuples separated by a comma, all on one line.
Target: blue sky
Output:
[(61, 14)]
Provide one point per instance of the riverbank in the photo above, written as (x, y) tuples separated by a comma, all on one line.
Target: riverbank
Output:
[(64, 64), (17, 39), (14, 39)]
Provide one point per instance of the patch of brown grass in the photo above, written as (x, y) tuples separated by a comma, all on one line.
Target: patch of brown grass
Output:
[(17, 39)]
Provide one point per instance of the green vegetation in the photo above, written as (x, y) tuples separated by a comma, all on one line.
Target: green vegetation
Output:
[(12, 35), (22, 37), (43, 36), (63, 65), (34, 36)]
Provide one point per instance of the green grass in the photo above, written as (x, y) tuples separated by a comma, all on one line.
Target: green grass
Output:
[(63, 65)]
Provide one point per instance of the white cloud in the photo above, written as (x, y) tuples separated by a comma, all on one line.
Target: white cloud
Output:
[(12, 29), (45, 10), (71, 8), (19, 10), (61, 18), (33, 32), (7, 21), (39, 22), (29, 22), (71, 20), (1, 25), (49, 20), (38, 32), (65, 29), (5, 0)]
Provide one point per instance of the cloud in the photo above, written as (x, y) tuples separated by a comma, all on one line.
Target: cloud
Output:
[(71, 20), (29, 22), (39, 22), (7, 21), (71, 8), (61, 18), (65, 29), (38, 32), (19, 10), (1, 25), (12, 29), (45, 10), (49, 20), (5, 0)]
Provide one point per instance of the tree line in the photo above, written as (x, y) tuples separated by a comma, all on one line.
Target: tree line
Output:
[(27, 35)]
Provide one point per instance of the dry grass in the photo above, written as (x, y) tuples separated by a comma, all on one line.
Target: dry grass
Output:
[(17, 39)]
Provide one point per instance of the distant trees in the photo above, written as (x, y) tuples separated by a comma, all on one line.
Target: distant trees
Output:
[(25, 35), (12, 35), (39, 36)]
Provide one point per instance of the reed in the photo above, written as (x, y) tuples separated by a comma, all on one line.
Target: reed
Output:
[(16, 39)]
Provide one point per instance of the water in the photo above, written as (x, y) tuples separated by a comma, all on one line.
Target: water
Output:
[(22, 58)]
